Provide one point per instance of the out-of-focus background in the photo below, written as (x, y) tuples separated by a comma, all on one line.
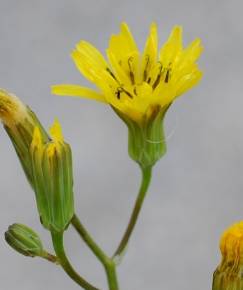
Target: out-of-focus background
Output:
[(197, 188)]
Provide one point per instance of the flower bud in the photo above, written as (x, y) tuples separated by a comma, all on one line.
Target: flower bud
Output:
[(53, 179), (24, 240), (146, 140), (19, 122), (228, 275)]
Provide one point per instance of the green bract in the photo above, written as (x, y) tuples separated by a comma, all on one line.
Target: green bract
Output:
[(228, 279)]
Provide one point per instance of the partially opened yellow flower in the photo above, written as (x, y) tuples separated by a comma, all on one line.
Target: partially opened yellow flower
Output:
[(139, 86), (51, 163)]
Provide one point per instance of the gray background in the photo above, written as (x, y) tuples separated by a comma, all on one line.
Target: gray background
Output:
[(197, 188)]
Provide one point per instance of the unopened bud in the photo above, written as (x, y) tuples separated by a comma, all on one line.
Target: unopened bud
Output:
[(19, 122), (24, 240), (53, 179)]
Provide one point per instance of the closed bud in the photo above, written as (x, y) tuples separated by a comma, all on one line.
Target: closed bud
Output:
[(229, 274), (146, 140), (19, 122), (53, 179), (24, 240)]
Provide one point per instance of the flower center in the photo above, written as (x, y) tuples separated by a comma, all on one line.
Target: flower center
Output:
[(153, 75)]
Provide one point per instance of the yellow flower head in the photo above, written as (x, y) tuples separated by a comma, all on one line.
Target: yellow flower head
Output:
[(231, 243), (133, 82)]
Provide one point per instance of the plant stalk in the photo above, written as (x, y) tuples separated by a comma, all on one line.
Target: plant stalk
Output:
[(107, 262), (57, 239), (146, 178)]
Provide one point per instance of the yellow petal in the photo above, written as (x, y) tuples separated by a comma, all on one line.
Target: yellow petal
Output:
[(150, 52), (37, 138), (125, 32), (188, 82), (84, 66), (194, 50), (172, 47), (88, 60), (143, 99), (119, 71), (164, 94), (123, 43), (56, 131), (77, 91), (190, 54), (90, 53)]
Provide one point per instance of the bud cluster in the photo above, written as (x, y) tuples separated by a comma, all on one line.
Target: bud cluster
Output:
[(47, 161)]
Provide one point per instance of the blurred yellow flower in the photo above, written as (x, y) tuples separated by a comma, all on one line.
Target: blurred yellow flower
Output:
[(133, 82), (231, 243), (228, 275)]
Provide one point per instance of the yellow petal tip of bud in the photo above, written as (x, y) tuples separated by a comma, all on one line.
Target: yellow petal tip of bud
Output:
[(56, 131), (37, 138)]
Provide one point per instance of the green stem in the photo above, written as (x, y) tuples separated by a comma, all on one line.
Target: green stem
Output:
[(146, 178), (57, 239), (89, 240), (111, 276), (107, 262), (51, 258)]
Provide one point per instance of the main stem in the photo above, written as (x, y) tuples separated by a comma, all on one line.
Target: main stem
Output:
[(111, 275), (146, 178), (107, 262), (57, 239)]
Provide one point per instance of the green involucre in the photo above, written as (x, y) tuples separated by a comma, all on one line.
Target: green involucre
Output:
[(228, 278), (146, 140)]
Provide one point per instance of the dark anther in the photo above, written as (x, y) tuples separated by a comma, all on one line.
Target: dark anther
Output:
[(118, 93), (145, 73), (122, 90), (167, 76), (126, 92), (130, 60), (159, 76), (111, 73)]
